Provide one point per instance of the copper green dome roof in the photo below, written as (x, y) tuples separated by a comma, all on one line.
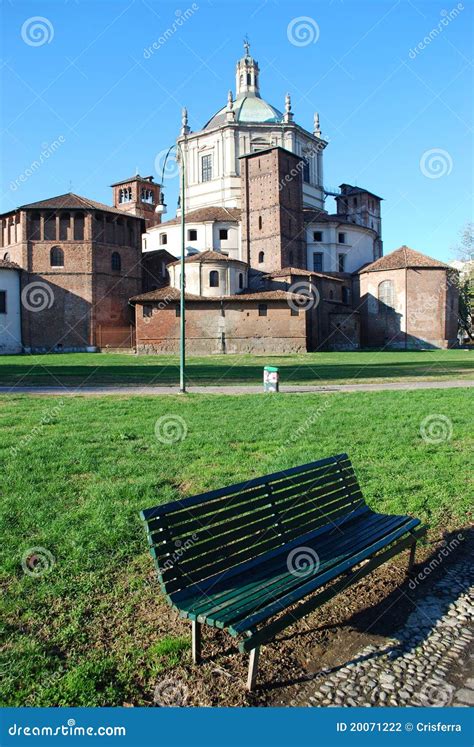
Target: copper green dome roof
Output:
[(248, 108)]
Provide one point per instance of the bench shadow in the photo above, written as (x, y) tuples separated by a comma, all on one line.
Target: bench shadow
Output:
[(403, 615)]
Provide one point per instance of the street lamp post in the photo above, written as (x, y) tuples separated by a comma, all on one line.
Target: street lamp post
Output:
[(161, 209)]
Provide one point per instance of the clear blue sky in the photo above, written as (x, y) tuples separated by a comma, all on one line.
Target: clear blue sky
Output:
[(113, 108)]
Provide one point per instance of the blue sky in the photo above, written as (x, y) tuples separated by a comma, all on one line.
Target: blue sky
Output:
[(398, 117)]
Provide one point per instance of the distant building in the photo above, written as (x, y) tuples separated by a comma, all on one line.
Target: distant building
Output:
[(81, 262), (10, 314), (408, 300)]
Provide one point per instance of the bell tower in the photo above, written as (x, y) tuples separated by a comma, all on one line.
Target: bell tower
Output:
[(139, 196), (246, 73)]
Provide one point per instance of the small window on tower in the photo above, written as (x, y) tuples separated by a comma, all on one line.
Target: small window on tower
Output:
[(213, 279), (56, 257), (223, 232), (262, 309), (341, 237), (3, 302), (241, 280), (163, 238), (261, 257), (317, 236), (354, 202), (346, 295), (116, 262), (341, 262), (192, 234), (147, 310), (260, 222)]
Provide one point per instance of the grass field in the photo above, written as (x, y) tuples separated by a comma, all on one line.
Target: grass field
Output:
[(93, 630), (74, 369)]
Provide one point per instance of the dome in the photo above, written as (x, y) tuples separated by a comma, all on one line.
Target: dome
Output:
[(248, 108)]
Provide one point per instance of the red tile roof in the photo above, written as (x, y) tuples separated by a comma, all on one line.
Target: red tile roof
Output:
[(168, 294), (286, 271), (208, 256), (207, 214), (5, 264), (71, 201), (402, 258)]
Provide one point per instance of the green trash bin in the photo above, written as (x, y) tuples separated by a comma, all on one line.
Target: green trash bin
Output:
[(271, 379)]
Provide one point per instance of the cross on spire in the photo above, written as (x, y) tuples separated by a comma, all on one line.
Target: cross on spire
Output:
[(246, 45)]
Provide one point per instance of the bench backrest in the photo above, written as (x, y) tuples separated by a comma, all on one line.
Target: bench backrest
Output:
[(198, 537)]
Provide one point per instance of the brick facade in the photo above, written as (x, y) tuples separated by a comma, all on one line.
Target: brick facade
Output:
[(220, 326), (272, 210), (87, 286)]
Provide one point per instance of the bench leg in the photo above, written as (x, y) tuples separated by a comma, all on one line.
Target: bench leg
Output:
[(253, 668), (196, 641), (411, 561)]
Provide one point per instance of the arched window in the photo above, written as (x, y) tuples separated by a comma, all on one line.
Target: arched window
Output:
[(385, 296), (260, 222), (261, 257), (6, 256), (213, 279), (241, 280), (35, 226), (116, 262), (56, 257), (346, 295)]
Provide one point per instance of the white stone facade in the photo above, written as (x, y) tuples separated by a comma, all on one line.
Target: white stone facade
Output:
[(10, 313)]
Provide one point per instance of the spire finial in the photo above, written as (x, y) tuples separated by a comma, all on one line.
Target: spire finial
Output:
[(288, 117), (316, 127), (246, 45), (230, 102), (184, 121)]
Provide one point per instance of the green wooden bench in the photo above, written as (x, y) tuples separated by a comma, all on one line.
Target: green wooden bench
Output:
[(252, 558)]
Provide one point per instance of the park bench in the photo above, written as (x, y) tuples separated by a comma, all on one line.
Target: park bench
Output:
[(252, 558)]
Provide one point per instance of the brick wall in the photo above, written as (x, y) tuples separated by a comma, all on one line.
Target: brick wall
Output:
[(272, 217), (234, 328)]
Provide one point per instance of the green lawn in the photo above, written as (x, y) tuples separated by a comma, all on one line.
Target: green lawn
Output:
[(75, 473), (316, 368)]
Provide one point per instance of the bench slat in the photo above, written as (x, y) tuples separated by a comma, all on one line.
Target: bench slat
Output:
[(269, 575), (157, 511), (250, 622), (286, 581), (196, 569)]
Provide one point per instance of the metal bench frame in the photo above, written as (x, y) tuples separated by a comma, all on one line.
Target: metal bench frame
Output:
[(222, 540)]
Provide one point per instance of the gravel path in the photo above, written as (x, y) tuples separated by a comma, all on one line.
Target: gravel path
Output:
[(231, 389), (428, 662)]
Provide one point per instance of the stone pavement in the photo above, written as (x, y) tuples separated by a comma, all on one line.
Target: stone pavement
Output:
[(232, 389), (427, 662)]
